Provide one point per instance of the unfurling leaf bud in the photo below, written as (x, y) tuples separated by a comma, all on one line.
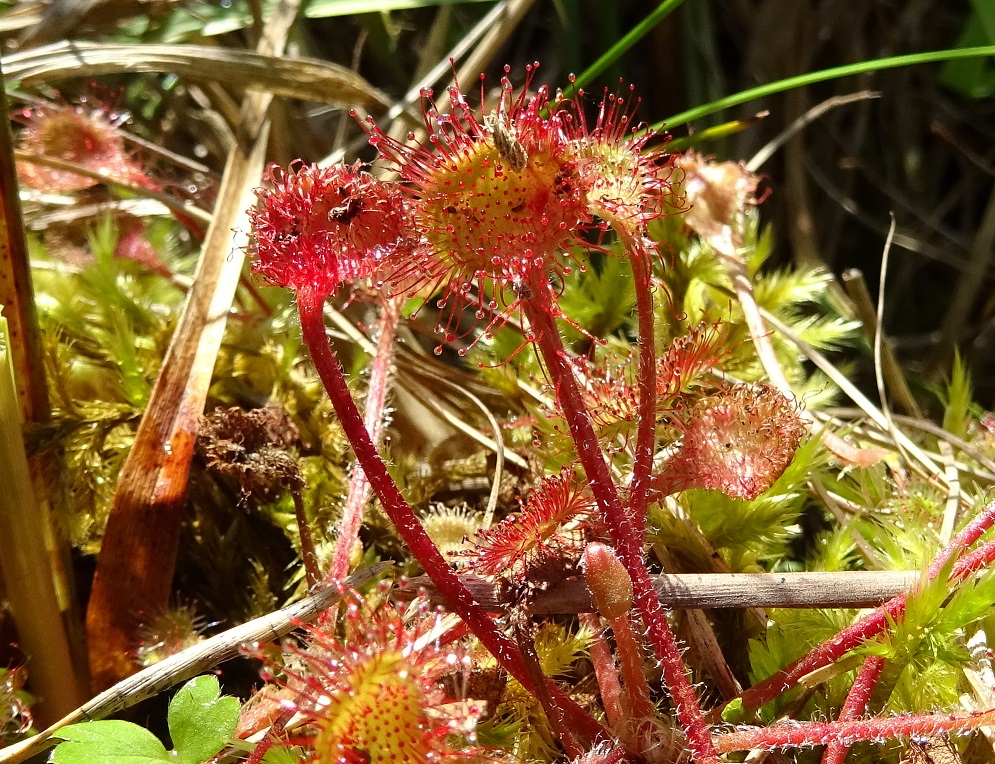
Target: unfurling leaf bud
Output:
[(608, 580)]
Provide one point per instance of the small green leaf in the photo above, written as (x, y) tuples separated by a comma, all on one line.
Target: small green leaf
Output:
[(201, 722), (973, 77), (283, 755), (108, 742), (956, 414), (733, 712)]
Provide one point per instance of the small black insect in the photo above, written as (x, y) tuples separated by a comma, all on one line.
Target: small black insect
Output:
[(346, 212)]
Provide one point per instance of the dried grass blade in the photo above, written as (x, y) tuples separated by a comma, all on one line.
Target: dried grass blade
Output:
[(138, 553), (37, 590), (679, 591), (16, 292), (307, 79), (26, 564)]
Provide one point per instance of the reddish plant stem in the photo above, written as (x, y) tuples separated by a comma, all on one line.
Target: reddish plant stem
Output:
[(974, 561), (642, 467), (798, 734), (604, 670), (631, 660), (376, 399), (855, 705), (627, 541), (272, 736), (554, 714), (874, 622), (967, 536), (309, 305)]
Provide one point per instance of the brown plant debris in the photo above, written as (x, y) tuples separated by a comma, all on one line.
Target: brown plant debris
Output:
[(253, 449)]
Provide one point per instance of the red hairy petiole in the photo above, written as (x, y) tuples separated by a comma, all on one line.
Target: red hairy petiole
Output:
[(627, 541), (880, 619), (310, 304)]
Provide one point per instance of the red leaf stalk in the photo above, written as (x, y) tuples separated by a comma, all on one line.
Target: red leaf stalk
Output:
[(974, 561), (878, 620), (309, 303), (627, 541), (631, 660), (807, 734), (968, 535), (604, 669), (855, 705), (642, 468)]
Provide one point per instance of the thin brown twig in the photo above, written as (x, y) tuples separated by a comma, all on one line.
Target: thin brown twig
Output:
[(843, 589), (856, 288)]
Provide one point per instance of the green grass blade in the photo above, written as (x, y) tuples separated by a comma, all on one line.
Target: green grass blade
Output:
[(619, 49), (875, 64)]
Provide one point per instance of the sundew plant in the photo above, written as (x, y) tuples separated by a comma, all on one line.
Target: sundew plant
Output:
[(499, 212), (514, 440)]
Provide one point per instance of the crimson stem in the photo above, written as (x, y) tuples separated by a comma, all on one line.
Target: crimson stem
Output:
[(627, 541), (855, 705), (642, 466), (310, 304), (807, 734), (879, 619)]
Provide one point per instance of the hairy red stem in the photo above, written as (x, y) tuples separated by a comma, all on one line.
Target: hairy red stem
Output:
[(309, 305), (627, 541), (798, 734), (605, 671), (959, 543), (271, 738), (376, 399), (554, 714), (874, 622), (631, 660), (974, 561), (855, 705), (642, 467)]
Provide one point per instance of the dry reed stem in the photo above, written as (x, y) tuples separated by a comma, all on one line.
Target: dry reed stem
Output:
[(844, 589), (38, 590), (138, 554), (26, 563), (307, 79)]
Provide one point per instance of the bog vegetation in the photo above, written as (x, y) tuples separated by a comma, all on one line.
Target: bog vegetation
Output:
[(489, 422)]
